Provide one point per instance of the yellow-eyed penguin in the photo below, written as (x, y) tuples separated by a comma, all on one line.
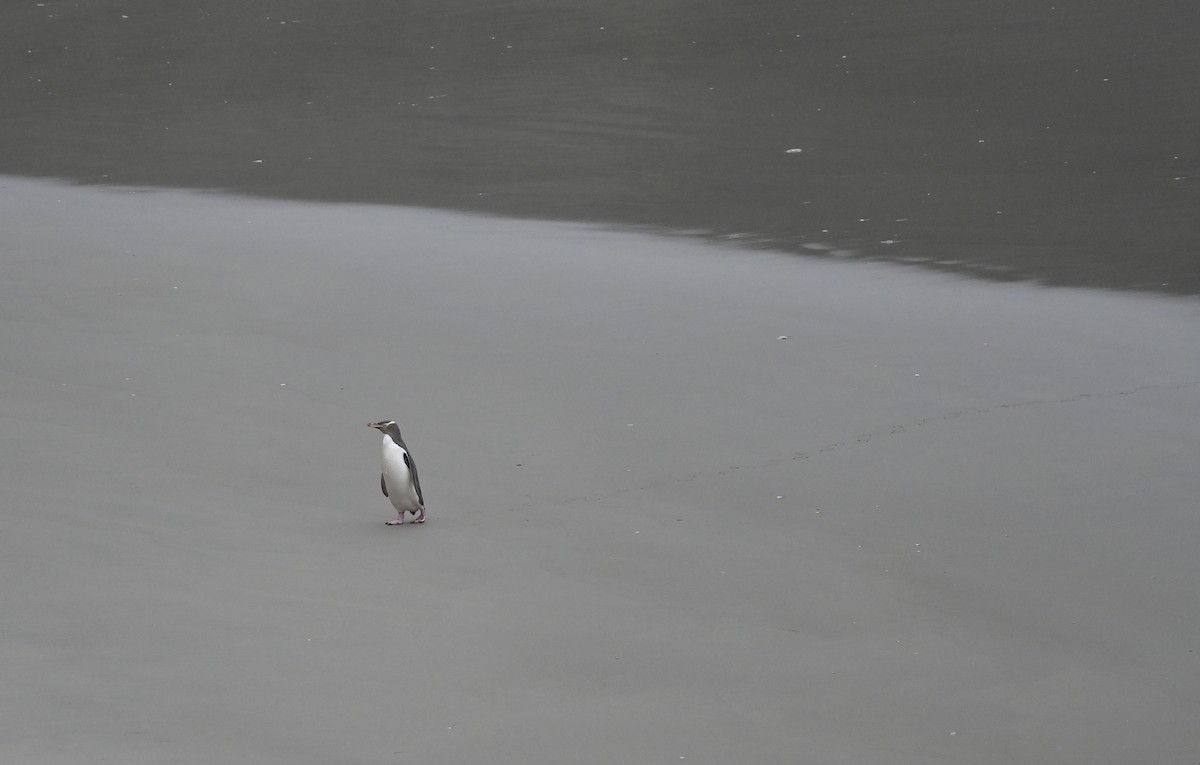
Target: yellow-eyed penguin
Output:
[(399, 477)]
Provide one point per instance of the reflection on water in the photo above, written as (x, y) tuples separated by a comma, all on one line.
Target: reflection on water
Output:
[(1012, 139)]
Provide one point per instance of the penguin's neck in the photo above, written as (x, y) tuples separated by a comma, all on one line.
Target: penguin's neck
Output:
[(392, 443)]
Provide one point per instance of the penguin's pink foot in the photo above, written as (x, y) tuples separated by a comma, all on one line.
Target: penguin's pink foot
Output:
[(420, 516), (396, 521)]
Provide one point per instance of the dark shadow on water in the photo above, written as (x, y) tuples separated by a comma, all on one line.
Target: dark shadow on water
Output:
[(1010, 139)]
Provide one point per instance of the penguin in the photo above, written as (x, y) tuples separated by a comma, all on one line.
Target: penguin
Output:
[(399, 477)]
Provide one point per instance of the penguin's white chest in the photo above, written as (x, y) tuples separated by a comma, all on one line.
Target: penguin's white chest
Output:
[(398, 478)]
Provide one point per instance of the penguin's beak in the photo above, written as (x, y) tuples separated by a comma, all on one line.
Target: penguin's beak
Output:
[(374, 425)]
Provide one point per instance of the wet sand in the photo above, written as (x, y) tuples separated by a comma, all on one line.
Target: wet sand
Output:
[(944, 521)]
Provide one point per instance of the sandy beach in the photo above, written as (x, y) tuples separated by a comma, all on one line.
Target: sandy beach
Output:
[(943, 521)]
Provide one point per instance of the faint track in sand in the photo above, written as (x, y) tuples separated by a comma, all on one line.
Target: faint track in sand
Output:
[(879, 434)]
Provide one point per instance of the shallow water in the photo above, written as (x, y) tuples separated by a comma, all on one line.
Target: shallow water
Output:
[(1011, 139)]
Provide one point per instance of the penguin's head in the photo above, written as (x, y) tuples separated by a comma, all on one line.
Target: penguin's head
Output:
[(387, 427)]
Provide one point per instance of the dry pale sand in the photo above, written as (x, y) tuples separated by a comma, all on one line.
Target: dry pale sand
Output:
[(944, 522)]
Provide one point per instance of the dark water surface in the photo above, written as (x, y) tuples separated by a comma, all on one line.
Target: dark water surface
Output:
[(1054, 141)]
